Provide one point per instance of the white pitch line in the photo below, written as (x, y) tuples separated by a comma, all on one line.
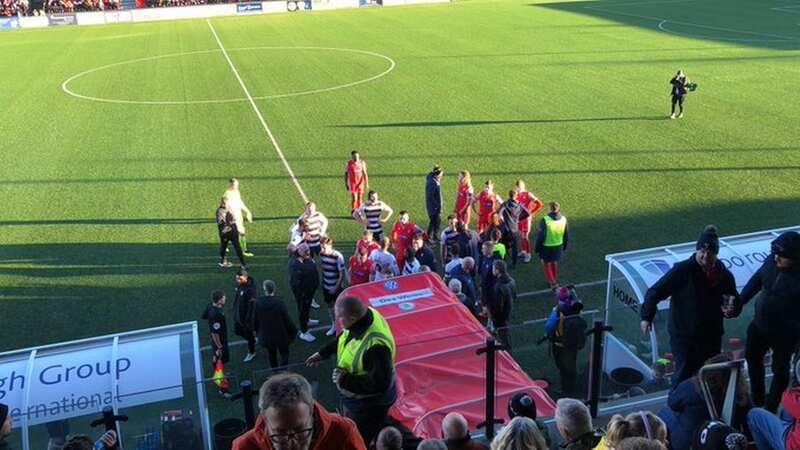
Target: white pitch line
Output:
[(258, 113)]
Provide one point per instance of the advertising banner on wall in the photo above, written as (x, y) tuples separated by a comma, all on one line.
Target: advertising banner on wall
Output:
[(8, 23), (56, 20), (298, 5), (249, 7)]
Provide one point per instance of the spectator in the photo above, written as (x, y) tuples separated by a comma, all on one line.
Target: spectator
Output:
[(291, 419), (512, 213), (698, 287), (776, 325), (486, 273), (566, 331), (467, 240), (382, 261), (389, 438), (639, 424), (640, 443), (455, 287), (505, 294), (273, 326), (432, 444), (244, 301), (108, 439), (455, 432), (521, 433), (5, 420), (716, 435), (364, 374), (574, 423), (433, 201), (522, 405), (780, 432), (455, 260), (463, 273), (304, 280), (218, 329), (424, 253), (551, 242)]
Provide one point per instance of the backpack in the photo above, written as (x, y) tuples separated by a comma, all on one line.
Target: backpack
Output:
[(574, 331)]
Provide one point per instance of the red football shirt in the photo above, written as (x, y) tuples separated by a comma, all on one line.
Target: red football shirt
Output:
[(402, 234), (463, 195), (529, 202), (359, 273), (356, 172), (486, 203), (371, 246)]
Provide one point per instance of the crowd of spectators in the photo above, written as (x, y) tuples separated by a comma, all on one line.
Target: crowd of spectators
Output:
[(11, 8), (69, 6)]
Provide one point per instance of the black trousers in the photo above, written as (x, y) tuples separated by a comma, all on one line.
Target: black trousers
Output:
[(273, 351), (370, 420), (758, 343), (232, 238), (503, 333), (434, 224), (691, 354), (303, 309), (677, 100), (511, 241), (248, 335), (567, 364)]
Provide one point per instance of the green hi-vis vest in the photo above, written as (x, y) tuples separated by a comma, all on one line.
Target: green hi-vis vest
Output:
[(349, 355), (555, 231)]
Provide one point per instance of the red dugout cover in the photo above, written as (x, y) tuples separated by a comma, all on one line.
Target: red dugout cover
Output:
[(438, 370)]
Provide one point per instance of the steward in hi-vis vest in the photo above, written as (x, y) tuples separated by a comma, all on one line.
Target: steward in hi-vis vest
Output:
[(551, 242), (364, 374)]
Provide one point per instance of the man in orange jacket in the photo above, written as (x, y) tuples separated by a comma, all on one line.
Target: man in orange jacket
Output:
[(290, 419)]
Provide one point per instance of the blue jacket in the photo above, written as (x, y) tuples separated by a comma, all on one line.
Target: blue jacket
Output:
[(685, 413), (467, 282), (433, 195)]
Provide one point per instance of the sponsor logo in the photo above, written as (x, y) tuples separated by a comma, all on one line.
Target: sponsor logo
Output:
[(404, 297), (56, 20), (7, 24), (248, 7), (391, 285), (656, 266), (298, 5), (407, 306)]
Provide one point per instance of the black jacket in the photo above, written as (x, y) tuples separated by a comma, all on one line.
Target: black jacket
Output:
[(678, 86), (243, 303), (378, 364), (487, 276), (512, 212), (777, 310), (272, 323), (505, 293), (427, 257), (303, 277), (695, 309), (433, 196), (225, 221)]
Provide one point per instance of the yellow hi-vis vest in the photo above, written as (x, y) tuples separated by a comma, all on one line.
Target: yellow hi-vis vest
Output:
[(554, 235), (349, 355)]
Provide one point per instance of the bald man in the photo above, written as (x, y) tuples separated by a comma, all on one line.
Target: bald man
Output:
[(455, 432), (364, 373), (389, 438)]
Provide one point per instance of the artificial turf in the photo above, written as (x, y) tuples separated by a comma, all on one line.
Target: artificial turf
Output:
[(108, 224)]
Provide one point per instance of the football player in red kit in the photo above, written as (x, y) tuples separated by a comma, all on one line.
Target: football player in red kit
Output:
[(360, 267), (403, 233), (487, 202), (464, 197), (533, 205), (356, 179)]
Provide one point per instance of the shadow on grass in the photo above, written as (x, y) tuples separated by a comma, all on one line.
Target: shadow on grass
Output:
[(147, 222), (466, 123), (734, 22)]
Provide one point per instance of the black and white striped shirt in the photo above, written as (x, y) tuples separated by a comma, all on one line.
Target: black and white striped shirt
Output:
[(332, 265), (371, 212), (448, 237), (314, 225)]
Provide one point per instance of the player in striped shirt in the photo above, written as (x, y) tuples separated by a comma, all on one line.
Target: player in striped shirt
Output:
[(531, 203), (315, 226), (448, 237), (487, 202), (356, 179), (240, 212), (371, 215), (464, 197), (333, 274)]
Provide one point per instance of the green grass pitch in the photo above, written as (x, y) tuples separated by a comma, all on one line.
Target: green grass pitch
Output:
[(107, 219)]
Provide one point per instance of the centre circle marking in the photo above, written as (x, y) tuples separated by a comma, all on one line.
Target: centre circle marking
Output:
[(65, 85)]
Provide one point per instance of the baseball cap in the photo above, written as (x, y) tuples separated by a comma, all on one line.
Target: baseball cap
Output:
[(522, 405)]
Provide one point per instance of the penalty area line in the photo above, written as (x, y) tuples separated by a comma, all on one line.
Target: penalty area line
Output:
[(258, 113)]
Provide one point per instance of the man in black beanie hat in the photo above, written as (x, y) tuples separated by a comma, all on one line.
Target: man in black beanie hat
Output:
[(701, 287), (776, 324)]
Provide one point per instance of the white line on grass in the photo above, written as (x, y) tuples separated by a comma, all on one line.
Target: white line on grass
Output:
[(258, 113)]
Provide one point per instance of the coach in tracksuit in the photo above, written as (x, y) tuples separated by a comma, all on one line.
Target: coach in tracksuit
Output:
[(698, 287), (776, 324)]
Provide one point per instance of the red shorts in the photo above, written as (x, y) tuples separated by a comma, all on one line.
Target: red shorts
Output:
[(463, 216), (525, 226), (483, 223)]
